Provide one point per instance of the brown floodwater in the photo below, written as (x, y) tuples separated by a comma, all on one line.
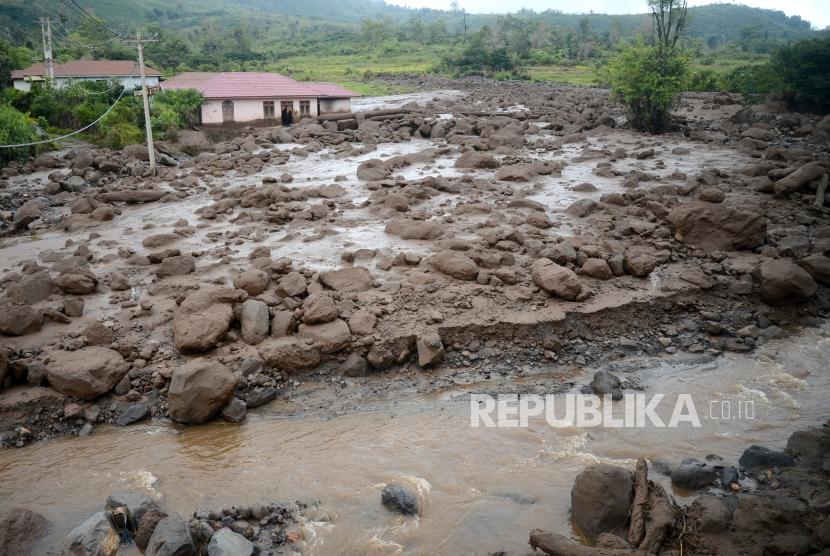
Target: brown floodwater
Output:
[(484, 489)]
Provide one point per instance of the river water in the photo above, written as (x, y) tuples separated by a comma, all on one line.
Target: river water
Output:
[(484, 488)]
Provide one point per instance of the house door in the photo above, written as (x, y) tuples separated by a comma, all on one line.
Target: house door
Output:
[(227, 111)]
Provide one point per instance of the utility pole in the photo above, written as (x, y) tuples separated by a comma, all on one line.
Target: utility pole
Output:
[(46, 32), (147, 124)]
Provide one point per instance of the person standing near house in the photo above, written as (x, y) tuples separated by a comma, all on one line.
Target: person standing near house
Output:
[(291, 117), (284, 117)]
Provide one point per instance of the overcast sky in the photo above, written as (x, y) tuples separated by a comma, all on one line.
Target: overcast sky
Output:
[(817, 12)]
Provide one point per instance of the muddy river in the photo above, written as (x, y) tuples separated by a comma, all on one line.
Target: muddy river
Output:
[(484, 488)]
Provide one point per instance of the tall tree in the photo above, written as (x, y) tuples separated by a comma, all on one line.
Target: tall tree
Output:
[(669, 18)]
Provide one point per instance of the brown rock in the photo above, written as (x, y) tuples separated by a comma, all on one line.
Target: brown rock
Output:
[(319, 308), (782, 282), (362, 322), (476, 159), (77, 282), (86, 373), (290, 353), (717, 226), (20, 531), (456, 264), (282, 324), (430, 349), (640, 264), (331, 337), (351, 279), (17, 320), (601, 498), (555, 279), (176, 266), (146, 527), (292, 285), (253, 281), (414, 229), (596, 268), (200, 330), (199, 390), (819, 268)]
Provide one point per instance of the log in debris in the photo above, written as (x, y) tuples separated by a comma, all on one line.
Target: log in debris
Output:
[(559, 545), (653, 519), (802, 176)]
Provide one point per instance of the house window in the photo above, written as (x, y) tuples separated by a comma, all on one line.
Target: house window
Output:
[(305, 107), (227, 111), (268, 109)]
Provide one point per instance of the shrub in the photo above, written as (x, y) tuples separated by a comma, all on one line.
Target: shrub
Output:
[(754, 81), (649, 82), (16, 127), (704, 80)]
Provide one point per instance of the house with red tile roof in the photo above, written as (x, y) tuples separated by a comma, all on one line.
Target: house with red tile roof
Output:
[(232, 97), (125, 71)]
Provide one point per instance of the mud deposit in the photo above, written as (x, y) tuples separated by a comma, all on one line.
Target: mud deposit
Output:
[(301, 314)]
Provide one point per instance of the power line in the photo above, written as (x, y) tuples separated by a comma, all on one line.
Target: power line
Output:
[(54, 139), (97, 21)]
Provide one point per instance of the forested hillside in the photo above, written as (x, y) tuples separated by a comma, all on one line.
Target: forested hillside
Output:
[(351, 41)]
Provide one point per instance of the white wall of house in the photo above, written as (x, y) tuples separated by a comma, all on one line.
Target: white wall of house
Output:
[(128, 82), (250, 110), (335, 105)]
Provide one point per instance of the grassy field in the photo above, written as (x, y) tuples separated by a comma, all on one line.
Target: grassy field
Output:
[(574, 75), (359, 72)]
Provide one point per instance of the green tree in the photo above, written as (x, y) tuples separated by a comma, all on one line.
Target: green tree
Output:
[(804, 68), (649, 83)]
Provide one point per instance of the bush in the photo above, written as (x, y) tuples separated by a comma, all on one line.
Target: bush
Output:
[(754, 81), (649, 83), (16, 127), (704, 80), (804, 68)]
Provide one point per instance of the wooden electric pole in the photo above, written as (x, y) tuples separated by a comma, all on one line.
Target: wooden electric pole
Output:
[(147, 124)]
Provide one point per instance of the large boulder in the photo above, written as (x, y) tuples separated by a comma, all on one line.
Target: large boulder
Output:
[(77, 282), (601, 498), (476, 159), (801, 176), (819, 268), (555, 279), (93, 537), (351, 279), (199, 390), (20, 530), (254, 321), (254, 281), (400, 499), (17, 320), (146, 526), (373, 170), (290, 353), (456, 264), (86, 373), (759, 457), (714, 226), (331, 336), (414, 229), (782, 281), (227, 543), (171, 537), (203, 318)]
